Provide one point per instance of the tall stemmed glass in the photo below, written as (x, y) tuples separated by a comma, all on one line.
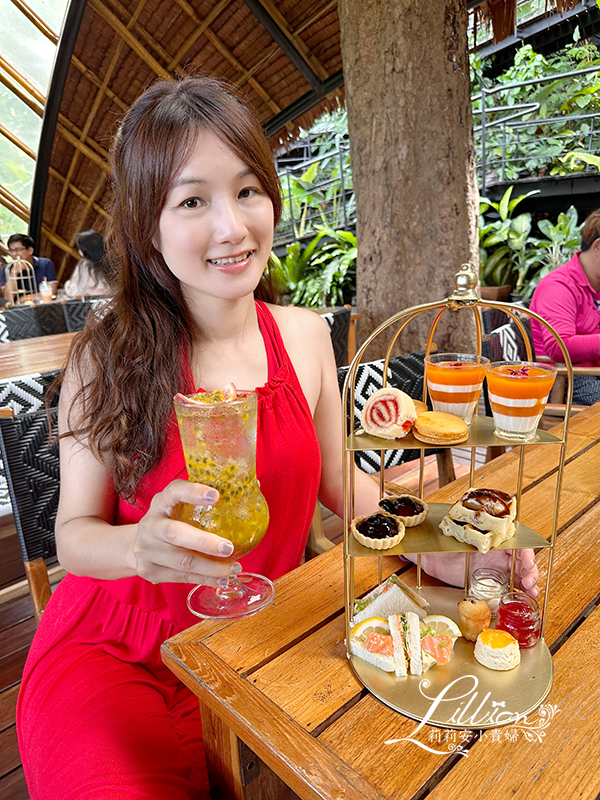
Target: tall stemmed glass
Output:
[(218, 434)]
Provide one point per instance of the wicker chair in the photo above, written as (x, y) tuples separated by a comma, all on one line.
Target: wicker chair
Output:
[(33, 478)]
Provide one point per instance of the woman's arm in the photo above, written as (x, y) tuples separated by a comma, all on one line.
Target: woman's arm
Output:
[(157, 548)]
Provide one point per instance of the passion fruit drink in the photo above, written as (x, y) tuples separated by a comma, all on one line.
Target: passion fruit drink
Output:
[(218, 434)]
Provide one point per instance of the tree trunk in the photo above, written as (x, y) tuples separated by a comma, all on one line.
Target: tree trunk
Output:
[(406, 73)]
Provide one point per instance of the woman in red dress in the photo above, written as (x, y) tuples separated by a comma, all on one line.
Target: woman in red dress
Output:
[(196, 200)]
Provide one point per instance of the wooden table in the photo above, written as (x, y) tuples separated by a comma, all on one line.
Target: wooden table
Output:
[(34, 355), (280, 680)]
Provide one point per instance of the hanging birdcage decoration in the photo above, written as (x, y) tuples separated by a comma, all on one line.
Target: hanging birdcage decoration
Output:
[(21, 281)]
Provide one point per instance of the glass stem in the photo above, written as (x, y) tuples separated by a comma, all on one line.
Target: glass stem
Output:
[(233, 590)]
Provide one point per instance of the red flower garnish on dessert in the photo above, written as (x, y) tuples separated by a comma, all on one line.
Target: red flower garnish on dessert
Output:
[(522, 372)]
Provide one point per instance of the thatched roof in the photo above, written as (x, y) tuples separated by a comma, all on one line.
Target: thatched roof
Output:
[(285, 57)]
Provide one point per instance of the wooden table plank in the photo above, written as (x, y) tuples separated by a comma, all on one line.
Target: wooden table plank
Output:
[(304, 599), (575, 583), (299, 758), (25, 356), (399, 771), (563, 764)]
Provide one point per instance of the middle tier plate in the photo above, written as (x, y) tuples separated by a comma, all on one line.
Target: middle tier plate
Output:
[(428, 538)]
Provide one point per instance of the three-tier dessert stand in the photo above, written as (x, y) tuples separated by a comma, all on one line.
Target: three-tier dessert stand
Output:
[(462, 694)]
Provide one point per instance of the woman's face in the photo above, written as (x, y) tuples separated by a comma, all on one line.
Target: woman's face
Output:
[(215, 231)]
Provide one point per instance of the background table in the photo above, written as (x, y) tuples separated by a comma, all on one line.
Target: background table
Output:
[(34, 355), (280, 680)]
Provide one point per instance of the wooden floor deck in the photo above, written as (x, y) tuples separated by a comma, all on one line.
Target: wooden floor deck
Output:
[(17, 626)]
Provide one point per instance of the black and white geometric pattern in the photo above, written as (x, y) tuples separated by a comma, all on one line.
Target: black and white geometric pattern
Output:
[(23, 394), (405, 373), (339, 327), (3, 328), (34, 480), (22, 323), (27, 322)]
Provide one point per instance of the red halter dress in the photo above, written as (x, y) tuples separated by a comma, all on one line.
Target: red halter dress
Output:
[(98, 714)]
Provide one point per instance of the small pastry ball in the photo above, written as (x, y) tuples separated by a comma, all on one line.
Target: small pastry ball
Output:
[(475, 615)]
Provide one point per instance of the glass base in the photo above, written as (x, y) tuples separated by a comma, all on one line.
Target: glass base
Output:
[(245, 594), (516, 437)]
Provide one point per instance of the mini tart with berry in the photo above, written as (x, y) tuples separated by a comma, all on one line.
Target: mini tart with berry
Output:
[(379, 531), (410, 510)]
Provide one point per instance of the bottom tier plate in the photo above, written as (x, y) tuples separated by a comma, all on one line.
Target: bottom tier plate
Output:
[(463, 694)]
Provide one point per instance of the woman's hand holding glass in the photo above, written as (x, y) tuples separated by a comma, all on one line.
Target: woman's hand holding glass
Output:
[(167, 550)]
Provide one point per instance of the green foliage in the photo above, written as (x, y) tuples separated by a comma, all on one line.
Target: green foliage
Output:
[(321, 274), (510, 253), (316, 196), (505, 242), (535, 143)]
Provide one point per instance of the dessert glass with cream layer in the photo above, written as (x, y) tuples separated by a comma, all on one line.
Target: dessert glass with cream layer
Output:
[(518, 393), (454, 382)]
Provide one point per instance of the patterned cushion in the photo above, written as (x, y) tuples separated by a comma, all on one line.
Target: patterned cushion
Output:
[(76, 313), (405, 373), (21, 323), (3, 327), (51, 318), (34, 480), (23, 394), (339, 327)]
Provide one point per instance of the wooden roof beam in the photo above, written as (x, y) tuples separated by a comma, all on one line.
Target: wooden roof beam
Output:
[(54, 173), (22, 81), (13, 204), (292, 45), (129, 38), (38, 22), (87, 73), (14, 87), (303, 104), (17, 142), (141, 33), (320, 12), (201, 26)]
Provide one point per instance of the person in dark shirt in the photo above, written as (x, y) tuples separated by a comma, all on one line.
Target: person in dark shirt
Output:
[(20, 246)]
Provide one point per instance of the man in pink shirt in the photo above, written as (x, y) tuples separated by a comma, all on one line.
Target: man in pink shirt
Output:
[(569, 299)]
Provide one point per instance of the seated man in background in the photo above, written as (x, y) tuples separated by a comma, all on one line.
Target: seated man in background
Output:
[(20, 246), (569, 300)]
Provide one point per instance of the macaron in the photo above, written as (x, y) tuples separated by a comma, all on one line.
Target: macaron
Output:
[(420, 406), (437, 427)]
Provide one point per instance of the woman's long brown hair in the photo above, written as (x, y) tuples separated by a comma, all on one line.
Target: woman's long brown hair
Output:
[(128, 357)]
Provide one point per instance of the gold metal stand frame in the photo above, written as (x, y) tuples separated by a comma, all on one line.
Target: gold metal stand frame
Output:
[(462, 694)]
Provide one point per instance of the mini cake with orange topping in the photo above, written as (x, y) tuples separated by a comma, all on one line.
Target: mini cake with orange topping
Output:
[(497, 649)]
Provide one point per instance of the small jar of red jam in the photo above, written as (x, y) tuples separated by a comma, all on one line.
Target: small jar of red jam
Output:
[(519, 614)]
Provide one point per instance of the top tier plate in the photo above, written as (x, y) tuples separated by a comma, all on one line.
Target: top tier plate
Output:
[(481, 434)]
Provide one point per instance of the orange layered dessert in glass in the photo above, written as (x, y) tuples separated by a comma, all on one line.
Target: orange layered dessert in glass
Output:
[(518, 393), (454, 382)]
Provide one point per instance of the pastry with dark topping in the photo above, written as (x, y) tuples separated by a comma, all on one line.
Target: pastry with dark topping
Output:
[(410, 510), (483, 518), (379, 531)]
